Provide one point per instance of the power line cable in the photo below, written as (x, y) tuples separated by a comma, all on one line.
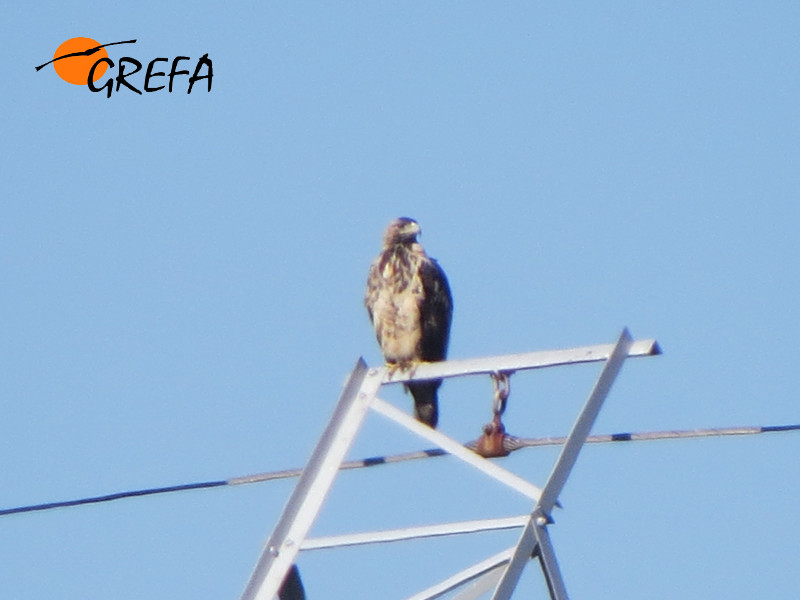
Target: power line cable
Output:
[(512, 444)]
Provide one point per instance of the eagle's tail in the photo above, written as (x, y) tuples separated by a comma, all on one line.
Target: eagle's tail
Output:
[(426, 402)]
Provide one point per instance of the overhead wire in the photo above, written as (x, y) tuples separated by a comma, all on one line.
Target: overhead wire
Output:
[(512, 444)]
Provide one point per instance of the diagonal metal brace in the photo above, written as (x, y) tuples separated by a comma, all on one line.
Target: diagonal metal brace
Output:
[(457, 450), (583, 425), (316, 480), (534, 537)]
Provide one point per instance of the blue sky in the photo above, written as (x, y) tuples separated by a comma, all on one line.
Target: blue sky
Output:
[(183, 279)]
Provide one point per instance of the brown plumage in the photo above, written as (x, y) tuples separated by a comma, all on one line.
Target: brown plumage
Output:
[(410, 306)]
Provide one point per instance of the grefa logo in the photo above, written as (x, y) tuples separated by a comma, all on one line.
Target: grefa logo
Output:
[(84, 61)]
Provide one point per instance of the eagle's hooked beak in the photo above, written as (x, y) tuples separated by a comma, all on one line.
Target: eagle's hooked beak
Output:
[(401, 231), (411, 230)]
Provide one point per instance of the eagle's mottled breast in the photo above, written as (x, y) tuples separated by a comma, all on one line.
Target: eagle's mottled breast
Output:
[(395, 294)]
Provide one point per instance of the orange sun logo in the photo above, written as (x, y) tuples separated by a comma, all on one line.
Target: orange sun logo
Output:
[(84, 61), (79, 54)]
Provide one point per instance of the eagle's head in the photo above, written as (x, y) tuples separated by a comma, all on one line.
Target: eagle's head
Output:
[(401, 231)]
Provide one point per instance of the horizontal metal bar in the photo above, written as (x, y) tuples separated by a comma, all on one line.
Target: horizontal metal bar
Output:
[(409, 533), (517, 362), (465, 576), (502, 475)]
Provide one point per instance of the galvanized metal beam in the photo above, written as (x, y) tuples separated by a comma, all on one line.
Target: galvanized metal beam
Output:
[(502, 475), (306, 500), (583, 424), (412, 533), (520, 556), (518, 362), (549, 564), (476, 589), (535, 529), (469, 574)]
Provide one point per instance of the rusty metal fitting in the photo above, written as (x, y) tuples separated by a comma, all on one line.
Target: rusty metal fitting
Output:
[(492, 443)]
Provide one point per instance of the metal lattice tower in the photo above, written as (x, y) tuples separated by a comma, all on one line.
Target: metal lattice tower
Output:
[(500, 572)]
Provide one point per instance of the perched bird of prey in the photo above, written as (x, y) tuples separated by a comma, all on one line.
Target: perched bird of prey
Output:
[(410, 306)]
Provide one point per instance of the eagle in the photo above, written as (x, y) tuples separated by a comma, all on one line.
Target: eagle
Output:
[(410, 305)]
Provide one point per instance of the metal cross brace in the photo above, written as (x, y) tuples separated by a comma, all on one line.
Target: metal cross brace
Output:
[(535, 537), (502, 570)]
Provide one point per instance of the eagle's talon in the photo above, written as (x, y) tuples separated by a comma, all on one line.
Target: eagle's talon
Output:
[(408, 368), (391, 369)]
